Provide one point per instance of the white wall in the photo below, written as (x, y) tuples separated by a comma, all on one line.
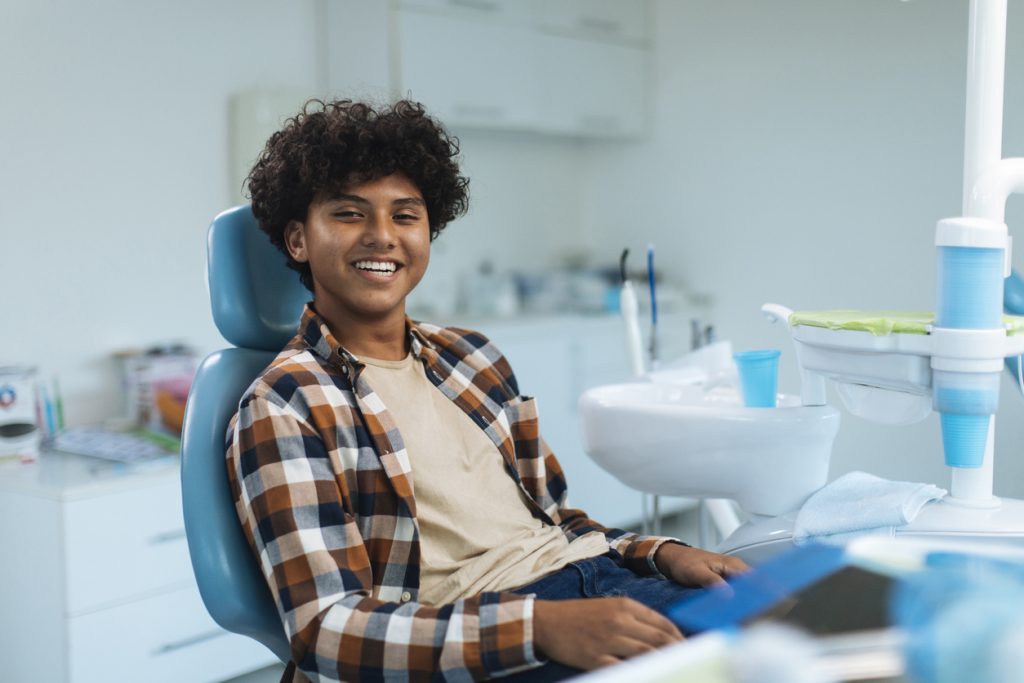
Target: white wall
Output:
[(114, 139), (801, 152)]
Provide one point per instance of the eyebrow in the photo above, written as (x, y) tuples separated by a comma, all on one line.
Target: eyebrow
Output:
[(356, 199)]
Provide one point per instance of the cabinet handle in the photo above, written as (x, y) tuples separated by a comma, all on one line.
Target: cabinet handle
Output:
[(596, 23), (167, 537), (168, 648), (479, 5)]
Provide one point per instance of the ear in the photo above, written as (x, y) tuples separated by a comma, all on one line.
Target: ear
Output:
[(295, 240)]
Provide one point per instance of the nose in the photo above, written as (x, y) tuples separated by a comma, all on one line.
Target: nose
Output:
[(380, 231)]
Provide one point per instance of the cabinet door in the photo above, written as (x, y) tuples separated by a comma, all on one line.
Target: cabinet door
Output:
[(167, 638), (125, 545), (592, 88), (608, 20), (468, 73)]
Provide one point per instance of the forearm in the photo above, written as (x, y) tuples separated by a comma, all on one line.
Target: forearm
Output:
[(359, 638), (638, 551)]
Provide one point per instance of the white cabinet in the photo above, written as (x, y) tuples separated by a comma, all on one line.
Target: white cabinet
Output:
[(468, 72), (97, 580), (574, 68), (605, 20), (592, 89)]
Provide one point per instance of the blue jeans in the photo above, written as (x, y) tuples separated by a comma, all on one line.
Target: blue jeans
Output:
[(597, 577)]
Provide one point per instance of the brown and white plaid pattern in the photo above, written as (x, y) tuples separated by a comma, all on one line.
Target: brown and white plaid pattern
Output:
[(323, 488)]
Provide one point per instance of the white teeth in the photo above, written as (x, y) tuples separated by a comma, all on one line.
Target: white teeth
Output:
[(377, 266)]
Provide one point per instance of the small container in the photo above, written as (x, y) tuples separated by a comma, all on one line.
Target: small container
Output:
[(19, 429), (759, 376)]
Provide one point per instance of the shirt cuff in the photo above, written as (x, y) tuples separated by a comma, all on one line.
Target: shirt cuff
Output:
[(533, 657), (523, 656), (658, 542)]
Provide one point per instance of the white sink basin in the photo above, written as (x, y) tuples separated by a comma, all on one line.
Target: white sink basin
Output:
[(682, 441)]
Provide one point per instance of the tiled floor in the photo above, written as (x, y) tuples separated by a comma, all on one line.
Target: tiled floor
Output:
[(682, 526)]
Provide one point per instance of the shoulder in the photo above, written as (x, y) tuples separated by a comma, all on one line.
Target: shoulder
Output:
[(463, 347), (294, 372), (457, 340)]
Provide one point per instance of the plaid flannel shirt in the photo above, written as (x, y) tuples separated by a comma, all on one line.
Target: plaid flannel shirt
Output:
[(323, 487)]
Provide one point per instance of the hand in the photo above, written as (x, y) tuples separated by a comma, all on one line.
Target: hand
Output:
[(595, 632), (696, 567)]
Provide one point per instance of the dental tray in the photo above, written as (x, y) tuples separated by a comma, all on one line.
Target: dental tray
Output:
[(883, 323), (884, 349), (879, 360)]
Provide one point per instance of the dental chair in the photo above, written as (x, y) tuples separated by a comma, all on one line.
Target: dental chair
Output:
[(256, 302)]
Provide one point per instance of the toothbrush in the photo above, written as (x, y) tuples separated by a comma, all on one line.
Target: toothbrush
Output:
[(629, 308), (656, 512), (654, 307)]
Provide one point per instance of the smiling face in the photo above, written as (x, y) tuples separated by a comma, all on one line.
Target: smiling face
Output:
[(367, 247)]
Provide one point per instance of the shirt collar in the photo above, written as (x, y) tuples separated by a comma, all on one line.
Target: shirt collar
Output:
[(317, 336)]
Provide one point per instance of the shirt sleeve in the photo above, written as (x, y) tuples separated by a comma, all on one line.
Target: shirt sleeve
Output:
[(298, 516)]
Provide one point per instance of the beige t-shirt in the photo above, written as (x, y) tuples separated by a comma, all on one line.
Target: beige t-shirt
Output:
[(476, 531)]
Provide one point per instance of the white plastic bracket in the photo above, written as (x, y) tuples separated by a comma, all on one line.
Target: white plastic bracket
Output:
[(957, 350), (977, 233)]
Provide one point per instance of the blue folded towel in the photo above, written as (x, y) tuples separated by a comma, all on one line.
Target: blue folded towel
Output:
[(858, 503)]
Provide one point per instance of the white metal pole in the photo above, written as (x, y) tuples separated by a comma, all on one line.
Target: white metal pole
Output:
[(986, 63)]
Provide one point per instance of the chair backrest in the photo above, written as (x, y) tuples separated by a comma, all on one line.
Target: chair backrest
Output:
[(256, 302)]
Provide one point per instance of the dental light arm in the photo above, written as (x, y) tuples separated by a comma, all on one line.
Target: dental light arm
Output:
[(969, 339)]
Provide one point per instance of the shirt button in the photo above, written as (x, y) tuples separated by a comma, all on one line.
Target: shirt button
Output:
[(406, 596)]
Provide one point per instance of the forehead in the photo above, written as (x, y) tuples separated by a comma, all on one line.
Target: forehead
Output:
[(387, 188)]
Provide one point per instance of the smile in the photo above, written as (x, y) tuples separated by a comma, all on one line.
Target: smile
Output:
[(377, 268)]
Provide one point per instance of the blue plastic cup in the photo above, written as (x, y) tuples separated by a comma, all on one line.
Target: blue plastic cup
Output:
[(964, 438), (759, 376)]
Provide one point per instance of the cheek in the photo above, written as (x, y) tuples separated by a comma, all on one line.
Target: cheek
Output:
[(422, 261), (421, 247)]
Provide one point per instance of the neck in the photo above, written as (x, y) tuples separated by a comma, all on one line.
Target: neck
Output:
[(384, 338)]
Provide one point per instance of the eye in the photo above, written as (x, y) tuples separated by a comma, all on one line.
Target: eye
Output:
[(348, 214), (406, 217)]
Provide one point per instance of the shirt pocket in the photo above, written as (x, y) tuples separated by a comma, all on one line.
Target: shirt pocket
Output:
[(521, 416)]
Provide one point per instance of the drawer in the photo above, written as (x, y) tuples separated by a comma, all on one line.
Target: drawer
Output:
[(165, 638), (125, 545)]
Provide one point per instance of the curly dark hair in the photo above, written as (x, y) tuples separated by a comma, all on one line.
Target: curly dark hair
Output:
[(331, 145)]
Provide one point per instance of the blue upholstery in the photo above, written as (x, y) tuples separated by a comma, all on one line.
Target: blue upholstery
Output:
[(256, 298), (257, 302)]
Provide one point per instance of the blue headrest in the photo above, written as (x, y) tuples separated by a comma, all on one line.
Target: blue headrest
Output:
[(256, 299)]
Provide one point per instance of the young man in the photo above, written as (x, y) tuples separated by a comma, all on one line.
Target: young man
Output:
[(409, 519)]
